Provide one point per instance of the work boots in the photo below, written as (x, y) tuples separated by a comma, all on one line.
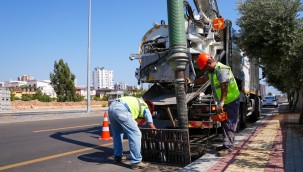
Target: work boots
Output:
[(224, 152), (119, 159), (139, 165)]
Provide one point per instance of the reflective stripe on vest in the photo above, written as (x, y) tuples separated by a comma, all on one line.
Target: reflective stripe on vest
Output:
[(232, 90), (136, 106)]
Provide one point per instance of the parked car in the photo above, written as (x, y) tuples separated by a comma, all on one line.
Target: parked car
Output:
[(270, 101)]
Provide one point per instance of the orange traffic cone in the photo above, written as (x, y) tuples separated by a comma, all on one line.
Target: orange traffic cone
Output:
[(105, 135)]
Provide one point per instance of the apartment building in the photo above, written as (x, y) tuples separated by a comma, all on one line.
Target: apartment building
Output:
[(44, 86), (103, 78), (82, 91), (29, 87)]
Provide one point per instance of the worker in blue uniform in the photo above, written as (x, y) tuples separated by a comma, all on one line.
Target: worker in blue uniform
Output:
[(122, 116)]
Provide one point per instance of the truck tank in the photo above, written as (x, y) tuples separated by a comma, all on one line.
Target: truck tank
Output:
[(202, 36)]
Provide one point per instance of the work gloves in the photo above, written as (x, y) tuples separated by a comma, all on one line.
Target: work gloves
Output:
[(220, 106)]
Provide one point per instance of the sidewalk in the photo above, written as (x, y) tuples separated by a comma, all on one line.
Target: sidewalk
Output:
[(273, 144)]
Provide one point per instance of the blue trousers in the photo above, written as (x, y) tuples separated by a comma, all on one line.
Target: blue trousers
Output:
[(230, 126), (122, 121)]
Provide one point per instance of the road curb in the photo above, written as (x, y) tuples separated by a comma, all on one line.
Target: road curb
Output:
[(27, 116)]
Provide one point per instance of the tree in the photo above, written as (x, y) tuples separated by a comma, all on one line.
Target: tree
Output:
[(271, 35), (62, 81)]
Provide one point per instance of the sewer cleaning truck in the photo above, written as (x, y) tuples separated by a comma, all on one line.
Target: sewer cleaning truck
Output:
[(206, 31)]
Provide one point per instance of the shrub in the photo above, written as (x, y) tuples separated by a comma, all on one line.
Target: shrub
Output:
[(26, 97), (97, 98)]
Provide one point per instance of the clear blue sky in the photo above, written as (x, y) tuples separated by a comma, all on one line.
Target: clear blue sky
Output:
[(35, 33)]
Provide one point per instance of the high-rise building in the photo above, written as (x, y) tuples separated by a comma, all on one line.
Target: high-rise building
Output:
[(103, 78)]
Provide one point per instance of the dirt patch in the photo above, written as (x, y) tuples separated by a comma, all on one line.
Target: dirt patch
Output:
[(34, 104)]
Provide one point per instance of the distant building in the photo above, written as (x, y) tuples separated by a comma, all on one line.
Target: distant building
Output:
[(12, 83), (120, 86), (44, 86), (112, 96), (5, 101), (25, 78), (82, 91), (100, 93), (103, 78), (132, 87), (30, 87)]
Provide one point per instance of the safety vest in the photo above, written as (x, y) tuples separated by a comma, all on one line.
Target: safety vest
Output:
[(232, 91), (136, 106)]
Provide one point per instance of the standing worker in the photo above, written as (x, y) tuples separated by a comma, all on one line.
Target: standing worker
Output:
[(122, 115), (226, 94)]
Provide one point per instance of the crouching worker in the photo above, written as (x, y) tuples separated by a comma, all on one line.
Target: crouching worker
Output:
[(122, 115)]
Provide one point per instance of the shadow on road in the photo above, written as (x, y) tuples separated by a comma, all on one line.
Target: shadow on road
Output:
[(103, 153), (61, 136), (98, 157)]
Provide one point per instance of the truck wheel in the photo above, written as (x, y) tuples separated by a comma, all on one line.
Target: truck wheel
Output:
[(242, 113), (256, 114), (238, 123), (242, 117)]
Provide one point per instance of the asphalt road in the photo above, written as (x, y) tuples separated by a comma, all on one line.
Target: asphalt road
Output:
[(70, 145), (56, 145)]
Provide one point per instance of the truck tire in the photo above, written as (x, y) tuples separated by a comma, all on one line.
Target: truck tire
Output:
[(256, 113), (238, 124), (242, 114), (242, 117)]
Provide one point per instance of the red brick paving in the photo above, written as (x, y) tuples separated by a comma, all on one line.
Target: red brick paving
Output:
[(275, 162)]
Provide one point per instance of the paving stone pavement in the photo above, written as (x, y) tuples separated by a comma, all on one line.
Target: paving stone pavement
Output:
[(273, 144), (294, 145)]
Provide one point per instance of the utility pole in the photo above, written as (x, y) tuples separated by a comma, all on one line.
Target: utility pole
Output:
[(88, 59)]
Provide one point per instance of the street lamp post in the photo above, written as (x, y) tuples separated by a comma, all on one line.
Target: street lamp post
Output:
[(88, 59)]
